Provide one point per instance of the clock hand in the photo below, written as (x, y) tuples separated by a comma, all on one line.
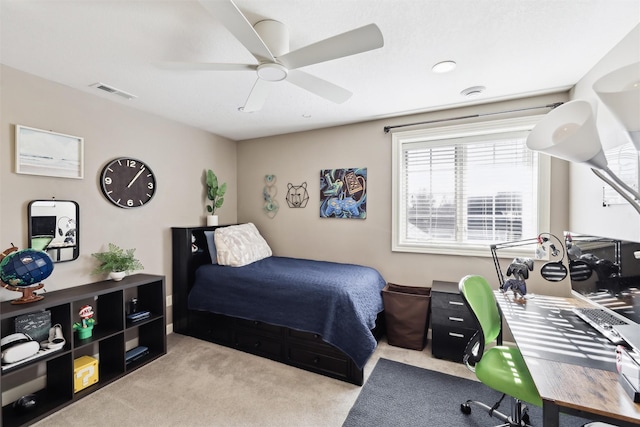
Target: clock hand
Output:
[(135, 177)]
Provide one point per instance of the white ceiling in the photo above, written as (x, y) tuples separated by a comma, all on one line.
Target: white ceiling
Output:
[(512, 47)]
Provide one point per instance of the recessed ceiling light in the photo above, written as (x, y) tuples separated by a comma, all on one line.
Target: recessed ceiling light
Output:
[(444, 67), (473, 91)]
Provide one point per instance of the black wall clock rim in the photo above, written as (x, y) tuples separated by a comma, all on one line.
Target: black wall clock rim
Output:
[(105, 192)]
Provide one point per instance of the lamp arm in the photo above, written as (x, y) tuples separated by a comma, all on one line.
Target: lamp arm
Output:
[(623, 184), (616, 183)]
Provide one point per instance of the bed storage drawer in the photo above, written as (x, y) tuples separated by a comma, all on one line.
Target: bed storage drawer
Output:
[(210, 327), (305, 336), (332, 364), (312, 341), (258, 326), (259, 344)]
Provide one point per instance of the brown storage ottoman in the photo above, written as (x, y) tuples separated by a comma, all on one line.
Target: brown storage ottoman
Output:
[(406, 310)]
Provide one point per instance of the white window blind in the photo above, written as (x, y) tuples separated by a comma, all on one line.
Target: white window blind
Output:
[(460, 189)]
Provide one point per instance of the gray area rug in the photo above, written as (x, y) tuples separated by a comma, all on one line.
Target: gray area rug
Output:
[(402, 395)]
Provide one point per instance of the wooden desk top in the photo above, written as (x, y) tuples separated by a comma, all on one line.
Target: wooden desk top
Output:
[(569, 385)]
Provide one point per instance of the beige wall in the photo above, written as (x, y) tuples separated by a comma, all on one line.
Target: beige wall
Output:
[(177, 154), (299, 157)]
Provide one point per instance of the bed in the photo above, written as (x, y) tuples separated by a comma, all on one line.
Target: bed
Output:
[(291, 310)]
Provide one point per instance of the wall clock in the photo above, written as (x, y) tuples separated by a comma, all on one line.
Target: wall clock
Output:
[(128, 183)]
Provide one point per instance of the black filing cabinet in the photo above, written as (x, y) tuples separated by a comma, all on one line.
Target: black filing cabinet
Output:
[(452, 325)]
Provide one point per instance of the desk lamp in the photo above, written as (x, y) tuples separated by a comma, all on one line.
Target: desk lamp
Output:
[(620, 91), (569, 133)]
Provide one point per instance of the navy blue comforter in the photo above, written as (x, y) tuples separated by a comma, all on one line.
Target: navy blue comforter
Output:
[(339, 302)]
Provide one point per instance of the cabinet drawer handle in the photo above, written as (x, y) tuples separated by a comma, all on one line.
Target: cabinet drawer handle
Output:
[(456, 319), (257, 344), (453, 334), (456, 303), (316, 360)]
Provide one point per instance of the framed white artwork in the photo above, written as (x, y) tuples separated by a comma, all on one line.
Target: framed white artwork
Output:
[(46, 153)]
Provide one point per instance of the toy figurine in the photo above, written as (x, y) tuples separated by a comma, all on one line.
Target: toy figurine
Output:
[(85, 327)]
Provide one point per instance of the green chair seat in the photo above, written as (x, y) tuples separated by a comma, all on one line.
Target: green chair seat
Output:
[(503, 369), (40, 243)]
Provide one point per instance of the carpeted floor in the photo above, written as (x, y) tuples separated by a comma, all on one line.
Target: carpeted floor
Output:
[(202, 384), (397, 394)]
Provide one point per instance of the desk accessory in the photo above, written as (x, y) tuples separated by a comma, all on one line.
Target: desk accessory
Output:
[(26, 403), (55, 340), (85, 327), (85, 372), (628, 366), (553, 271), (22, 271), (140, 315), (16, 347), (136, 354), (36, 325)]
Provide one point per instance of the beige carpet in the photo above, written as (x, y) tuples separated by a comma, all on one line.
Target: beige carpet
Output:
[(202, 384)]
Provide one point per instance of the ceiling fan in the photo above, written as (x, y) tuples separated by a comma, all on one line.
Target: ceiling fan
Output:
[(268, 42)]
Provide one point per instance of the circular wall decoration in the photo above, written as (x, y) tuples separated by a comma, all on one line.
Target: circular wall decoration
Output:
[(128, 183)]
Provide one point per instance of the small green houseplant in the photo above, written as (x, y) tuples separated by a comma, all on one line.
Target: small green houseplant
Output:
[(117, 260), (215, 194)]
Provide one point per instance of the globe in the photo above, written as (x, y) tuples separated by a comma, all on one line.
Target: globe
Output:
[(25, 268)]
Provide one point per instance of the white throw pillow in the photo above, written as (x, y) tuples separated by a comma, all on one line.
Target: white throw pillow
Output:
[(239, 245)]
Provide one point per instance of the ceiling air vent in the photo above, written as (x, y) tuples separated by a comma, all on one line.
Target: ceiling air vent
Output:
[(113, 90)]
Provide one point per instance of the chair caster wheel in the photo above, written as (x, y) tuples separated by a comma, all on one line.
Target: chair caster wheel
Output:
[(465, 408)]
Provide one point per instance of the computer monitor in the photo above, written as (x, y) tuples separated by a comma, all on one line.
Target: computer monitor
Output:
[(43, 225), (606, 272)]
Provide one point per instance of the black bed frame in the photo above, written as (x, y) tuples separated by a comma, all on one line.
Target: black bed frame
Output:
[(296, 348)]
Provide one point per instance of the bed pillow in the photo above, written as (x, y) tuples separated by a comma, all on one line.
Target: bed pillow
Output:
[(240, 245), (212, 246)]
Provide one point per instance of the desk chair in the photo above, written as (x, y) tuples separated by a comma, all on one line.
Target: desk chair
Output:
[(40, 243), (500, 367)]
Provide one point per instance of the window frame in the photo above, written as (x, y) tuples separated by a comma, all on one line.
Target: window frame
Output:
[(468, 130)]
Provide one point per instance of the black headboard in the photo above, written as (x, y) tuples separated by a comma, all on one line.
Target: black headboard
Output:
[(185, 263)]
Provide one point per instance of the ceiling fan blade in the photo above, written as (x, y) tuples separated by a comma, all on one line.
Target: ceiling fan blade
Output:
[(233, 19), (318, 86), (258, 96), (352, 42), (207, 66)]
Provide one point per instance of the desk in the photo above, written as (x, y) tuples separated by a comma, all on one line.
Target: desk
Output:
[(572, 366)]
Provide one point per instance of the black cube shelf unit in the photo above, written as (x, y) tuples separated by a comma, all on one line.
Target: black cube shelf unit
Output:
[(112, 336)]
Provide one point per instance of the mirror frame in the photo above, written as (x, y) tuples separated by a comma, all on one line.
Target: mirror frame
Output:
[(60, 251)]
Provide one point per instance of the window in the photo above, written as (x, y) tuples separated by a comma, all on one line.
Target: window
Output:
[(457, 190)]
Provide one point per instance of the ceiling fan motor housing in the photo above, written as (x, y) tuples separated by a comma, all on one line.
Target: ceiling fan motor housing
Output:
[(275, 35)]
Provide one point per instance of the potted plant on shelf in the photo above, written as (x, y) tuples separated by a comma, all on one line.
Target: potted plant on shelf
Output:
[(117, 262), (215, 194)]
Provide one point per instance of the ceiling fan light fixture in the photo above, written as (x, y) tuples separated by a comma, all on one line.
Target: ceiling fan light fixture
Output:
[(444, 67), (272, 72)]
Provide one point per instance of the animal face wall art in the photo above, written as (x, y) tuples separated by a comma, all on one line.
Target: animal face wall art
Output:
[(343, 193)]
